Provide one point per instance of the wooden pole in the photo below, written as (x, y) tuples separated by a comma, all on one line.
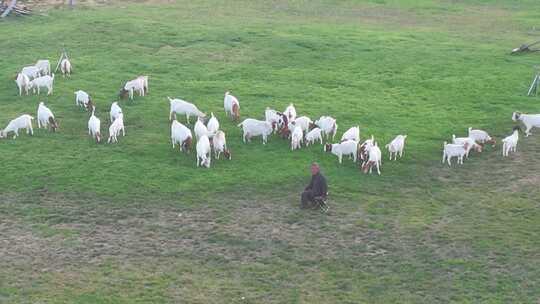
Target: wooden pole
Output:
[(8, 9), (534, 86)]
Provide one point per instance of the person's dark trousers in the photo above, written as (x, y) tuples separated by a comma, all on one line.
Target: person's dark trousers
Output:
[(307, 199)]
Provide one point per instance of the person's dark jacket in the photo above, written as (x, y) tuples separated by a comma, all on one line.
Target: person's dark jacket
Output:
[(318, 185)]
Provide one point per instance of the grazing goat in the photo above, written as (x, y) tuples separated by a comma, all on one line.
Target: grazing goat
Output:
[(21, 122), (328, 126), (529, 120), (348, 147), (290, 112), (144, 80), (471, 144), (135, 85), (82, 99), (45, 118), (31, 71), (42, 82), (94, 126), (115, 111), (314, 135), (181, 135), (454, 150), (303, 122), (274, 117), (374, 159), (352, 134), (212, 126), (219, 144), (115, 128), (252, 127), (396, 146), (200, 129), (44, 67), (481, 137), (510, 142), (65, 67), (297, 137), (204, 153), (23, 83), (364, 148), (179, 106), (231, 106)]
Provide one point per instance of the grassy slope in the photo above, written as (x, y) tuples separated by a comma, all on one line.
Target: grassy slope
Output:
[(425, 68)]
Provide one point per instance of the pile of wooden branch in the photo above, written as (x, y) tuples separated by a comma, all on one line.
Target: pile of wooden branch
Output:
[(11, 6), (524, 48)]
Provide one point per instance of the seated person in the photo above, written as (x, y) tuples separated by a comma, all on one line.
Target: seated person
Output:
[(316, 188)]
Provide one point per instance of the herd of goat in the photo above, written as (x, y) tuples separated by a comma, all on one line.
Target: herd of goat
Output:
[(299, 130)]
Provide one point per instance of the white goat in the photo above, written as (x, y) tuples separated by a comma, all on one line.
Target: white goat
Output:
[(135, 85), (231, 106), (481, 137), (471, 144), (274, 117), (94, 126), (181, 135), (374, 159), (352, 134), (348, 147), (115, 128), (396, 146), (44, 66), (179, 106), (82, 99), (45, 117), (23, 83), (253, 127), (297, 137), (21, 122), (219, 144), (115, 111), (328, 126), (290, 112), (31, 71), (303, 122), (454, 150), (314, 135), (144, 80), (212, 125), (65, 67), (204, 153), (510, 142), (529, 120), (42, 82), (200, 129)]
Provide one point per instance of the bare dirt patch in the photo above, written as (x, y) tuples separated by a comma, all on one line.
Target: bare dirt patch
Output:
[(79, 232)]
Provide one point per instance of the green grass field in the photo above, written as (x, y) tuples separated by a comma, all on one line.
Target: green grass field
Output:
[(137, 222)]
